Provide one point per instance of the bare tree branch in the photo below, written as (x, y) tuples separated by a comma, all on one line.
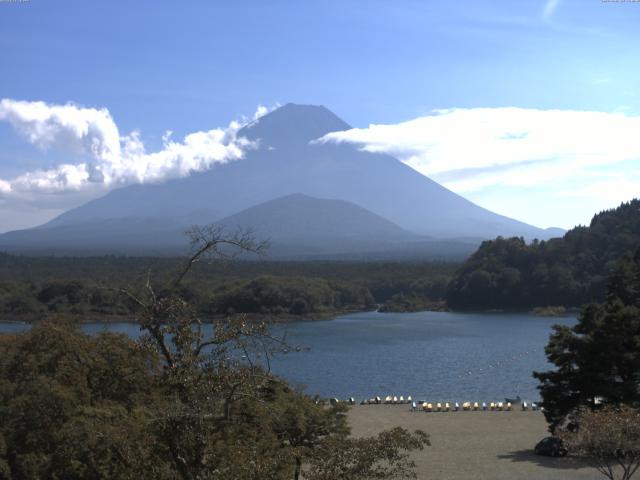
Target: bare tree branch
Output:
[(208, 241)]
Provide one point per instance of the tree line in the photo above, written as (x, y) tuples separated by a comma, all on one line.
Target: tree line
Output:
[(89, 287), (508, 273)]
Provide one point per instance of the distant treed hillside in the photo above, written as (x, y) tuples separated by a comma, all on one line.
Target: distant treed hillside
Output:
[(568, 271), (34, 287), (266, 295), (289, 295)]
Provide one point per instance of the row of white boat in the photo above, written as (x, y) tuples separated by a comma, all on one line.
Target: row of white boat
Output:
[(447, 406)]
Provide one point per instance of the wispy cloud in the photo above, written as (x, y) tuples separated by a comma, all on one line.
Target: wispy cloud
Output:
[(618, 187), (477, 150), (109, 158), (550, 8)]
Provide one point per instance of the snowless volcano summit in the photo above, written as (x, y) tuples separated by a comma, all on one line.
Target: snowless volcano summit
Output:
[(377, 190)]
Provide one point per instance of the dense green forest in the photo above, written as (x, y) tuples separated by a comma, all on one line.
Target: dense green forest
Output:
[(568, 271), (31, 287)]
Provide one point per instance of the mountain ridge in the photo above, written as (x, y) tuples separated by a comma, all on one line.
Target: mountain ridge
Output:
[(332, 218), (286, 162)]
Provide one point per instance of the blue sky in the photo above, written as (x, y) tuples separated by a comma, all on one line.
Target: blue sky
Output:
[(195, 66)]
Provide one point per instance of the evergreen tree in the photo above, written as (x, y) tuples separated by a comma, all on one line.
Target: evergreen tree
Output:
[(597, 360)]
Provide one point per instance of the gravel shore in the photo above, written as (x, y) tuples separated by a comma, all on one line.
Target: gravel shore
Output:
[(474, 445)]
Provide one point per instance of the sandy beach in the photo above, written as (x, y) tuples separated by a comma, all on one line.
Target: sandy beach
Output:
[(473, 445)]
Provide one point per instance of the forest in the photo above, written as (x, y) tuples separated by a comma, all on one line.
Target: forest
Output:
[(90, 287), (508, 273)]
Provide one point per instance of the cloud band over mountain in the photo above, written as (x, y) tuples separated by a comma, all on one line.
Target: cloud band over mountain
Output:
[(108, 158), (587, 160), (478, 149)]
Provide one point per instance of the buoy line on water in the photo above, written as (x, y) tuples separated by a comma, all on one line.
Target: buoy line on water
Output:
[(495, 365)]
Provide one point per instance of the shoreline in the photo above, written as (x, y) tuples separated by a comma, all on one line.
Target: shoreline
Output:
[(278, 319), (253, 317)]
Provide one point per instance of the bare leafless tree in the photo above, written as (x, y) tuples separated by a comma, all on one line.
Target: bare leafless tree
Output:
[(206, 369), (164, 316)]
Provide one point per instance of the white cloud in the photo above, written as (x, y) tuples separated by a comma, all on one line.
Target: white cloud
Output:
[(550, 8), (67, 126), (483, 151), (614, 188), (261, 111), (109, 158), (5, 187)]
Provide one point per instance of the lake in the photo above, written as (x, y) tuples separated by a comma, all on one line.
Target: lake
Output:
[(438, 356)]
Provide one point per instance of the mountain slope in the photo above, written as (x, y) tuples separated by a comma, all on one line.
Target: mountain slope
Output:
[(300, 217), (287, 162), (299, 225), (128, 235)]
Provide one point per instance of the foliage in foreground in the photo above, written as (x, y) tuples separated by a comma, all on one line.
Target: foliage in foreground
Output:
[(78, 407), (360, 458), (608, 439), (73, 406), (179, 403), (598, 359)]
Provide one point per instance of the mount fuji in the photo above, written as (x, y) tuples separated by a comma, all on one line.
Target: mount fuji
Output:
[(312, 199)]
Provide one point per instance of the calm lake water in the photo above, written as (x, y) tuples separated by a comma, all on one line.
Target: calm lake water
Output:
[(429, 355)]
